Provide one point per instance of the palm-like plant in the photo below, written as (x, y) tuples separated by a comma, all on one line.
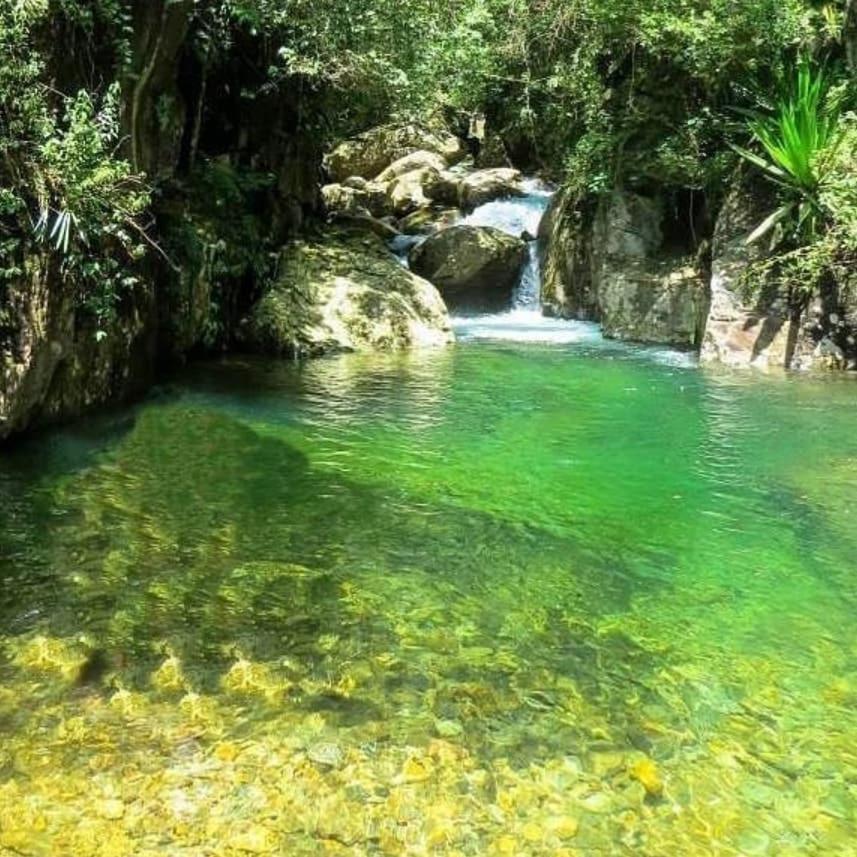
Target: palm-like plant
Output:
[(799, 138)]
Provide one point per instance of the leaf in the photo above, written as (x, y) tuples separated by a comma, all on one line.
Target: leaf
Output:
[(770, 222), (758, 161)]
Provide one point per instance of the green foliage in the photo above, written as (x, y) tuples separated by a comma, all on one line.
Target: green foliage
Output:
[(599, 92), (218, 228), (64, 186), (799, 139), (831, 257)]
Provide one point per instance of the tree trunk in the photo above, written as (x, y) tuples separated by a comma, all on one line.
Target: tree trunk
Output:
[(156, 111), (850, 35)]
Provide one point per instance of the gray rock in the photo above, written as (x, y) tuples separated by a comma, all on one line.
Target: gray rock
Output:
[(478, 262), (740, 331), (609, 266)]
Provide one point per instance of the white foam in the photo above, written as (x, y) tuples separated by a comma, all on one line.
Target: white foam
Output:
[(524, 325)]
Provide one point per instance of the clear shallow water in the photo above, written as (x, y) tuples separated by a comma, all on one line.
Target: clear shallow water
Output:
[(510, 598)]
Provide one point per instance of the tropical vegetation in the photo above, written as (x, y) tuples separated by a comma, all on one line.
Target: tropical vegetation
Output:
[(593, 92)]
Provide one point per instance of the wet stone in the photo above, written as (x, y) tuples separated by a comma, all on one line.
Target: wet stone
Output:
[(759, 794), (326, 755), (754, 842)]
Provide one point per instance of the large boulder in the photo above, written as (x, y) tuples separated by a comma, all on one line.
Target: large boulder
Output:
[(429, 219), (344, 291), (477, 265), (608, 263), (415, 161), (407, 192), (444, 188), (372, 152), (468, 190), (350, 198), (483, 186)]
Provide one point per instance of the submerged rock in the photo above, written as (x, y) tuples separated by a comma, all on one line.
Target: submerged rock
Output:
[(471, 260), (327, 755), (345, 292)]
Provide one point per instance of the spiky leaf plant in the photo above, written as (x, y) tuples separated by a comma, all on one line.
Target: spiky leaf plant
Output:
[(798, 139)]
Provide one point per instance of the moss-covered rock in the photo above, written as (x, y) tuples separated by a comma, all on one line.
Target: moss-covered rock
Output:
[(344, 291), (370, 197), (373, 151), (57, 361)]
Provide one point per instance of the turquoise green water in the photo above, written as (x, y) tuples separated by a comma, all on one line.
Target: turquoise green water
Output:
[(502, 599)]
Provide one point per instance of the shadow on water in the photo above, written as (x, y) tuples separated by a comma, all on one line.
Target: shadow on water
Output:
[(196, 537)]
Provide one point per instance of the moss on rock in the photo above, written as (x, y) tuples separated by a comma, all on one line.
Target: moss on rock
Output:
[(344, 291)]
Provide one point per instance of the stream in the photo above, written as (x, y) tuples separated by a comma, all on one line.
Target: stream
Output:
[(539, 593)]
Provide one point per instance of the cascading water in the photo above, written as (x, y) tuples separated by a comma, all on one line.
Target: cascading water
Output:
[(524, 321), (519, 216)]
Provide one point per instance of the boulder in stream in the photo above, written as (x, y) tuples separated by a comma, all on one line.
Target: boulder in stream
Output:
[(415, 161), (348, 198), (372, 152), (429, 219), (483, 186), (407, 193), (344, 291), (479, 265)]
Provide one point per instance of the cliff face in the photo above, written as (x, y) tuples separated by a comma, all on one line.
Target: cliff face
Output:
[(615, 265)]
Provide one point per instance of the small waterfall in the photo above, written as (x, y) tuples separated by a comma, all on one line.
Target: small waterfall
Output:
[(520, 216), (523, 322)]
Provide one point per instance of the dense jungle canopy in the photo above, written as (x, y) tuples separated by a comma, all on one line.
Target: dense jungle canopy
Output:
[(110, 108)]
